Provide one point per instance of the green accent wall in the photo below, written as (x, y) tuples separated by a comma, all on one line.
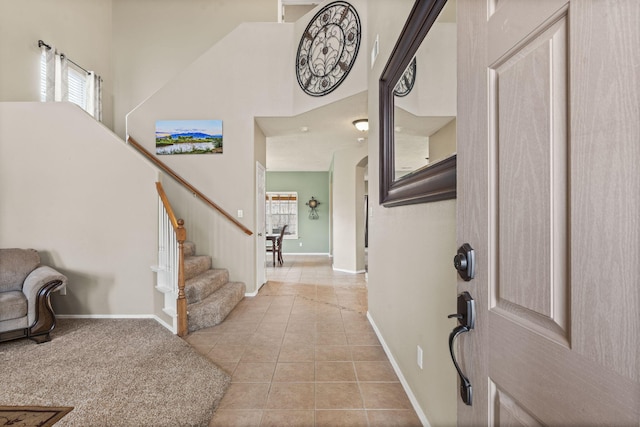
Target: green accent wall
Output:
[(312, 233)]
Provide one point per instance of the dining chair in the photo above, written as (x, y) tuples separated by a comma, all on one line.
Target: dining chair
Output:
[(276, 247)]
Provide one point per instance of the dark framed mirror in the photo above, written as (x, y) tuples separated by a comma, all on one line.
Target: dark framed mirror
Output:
[(411, 170)]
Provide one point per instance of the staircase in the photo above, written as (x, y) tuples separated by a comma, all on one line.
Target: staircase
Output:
[(210, 295)]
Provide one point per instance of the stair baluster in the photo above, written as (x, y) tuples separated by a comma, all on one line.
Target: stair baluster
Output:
[(171, 277), (196, 295)]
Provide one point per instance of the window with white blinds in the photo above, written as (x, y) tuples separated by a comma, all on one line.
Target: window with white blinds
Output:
[(61, 79), (77, 86), (281, 209)]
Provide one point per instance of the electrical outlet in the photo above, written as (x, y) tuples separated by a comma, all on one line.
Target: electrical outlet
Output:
[(240, 213), (420, 357), (300, 244)]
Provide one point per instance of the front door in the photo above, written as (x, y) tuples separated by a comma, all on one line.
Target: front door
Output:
[(549, 198)]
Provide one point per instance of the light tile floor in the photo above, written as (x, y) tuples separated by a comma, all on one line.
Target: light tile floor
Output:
[(302, 353)]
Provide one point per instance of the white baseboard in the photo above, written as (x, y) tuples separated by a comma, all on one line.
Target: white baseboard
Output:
[(254, 293), (166, 325), (306, 253), (116, 316), (348, 271), (106, 316), (403, 381)]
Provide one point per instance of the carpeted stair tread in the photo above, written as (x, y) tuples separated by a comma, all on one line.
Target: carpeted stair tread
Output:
[(214, 309), (210, 295), (199, 287), (195, 265), (189, 248)]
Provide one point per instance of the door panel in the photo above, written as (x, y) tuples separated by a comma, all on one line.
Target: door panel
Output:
[(504, 411), (528, 124), (548, 196), (512, 22), (605, 154), (555, 383)]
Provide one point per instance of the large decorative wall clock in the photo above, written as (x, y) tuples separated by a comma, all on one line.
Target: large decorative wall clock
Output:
[(328, 48), (407, 80)]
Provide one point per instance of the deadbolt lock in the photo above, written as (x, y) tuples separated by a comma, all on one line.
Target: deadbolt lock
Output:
[(464, 262)]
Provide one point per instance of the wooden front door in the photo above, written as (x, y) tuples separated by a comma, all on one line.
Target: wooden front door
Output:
[(549, 198)]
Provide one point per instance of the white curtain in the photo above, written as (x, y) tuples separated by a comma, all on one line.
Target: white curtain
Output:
[(94, 95), (63, 80), (47, 71)]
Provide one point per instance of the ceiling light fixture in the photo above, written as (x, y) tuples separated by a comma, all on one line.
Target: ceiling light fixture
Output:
[(362, 125)]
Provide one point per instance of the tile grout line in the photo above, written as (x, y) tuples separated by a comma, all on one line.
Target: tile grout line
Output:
[(350, 341)]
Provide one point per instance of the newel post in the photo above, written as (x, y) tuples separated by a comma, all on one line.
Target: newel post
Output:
[(181, 236)]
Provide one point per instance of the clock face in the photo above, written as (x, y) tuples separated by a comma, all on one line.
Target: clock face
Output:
[(408, 78), (328, 48)]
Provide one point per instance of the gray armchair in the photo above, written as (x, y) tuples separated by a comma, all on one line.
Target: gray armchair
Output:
[(25, 289)]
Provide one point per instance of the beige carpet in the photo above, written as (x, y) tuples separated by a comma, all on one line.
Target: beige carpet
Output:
[(114, 373)]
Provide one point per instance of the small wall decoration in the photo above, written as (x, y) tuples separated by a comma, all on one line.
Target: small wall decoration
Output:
[(328, 48), (188, 137), (313, 204)]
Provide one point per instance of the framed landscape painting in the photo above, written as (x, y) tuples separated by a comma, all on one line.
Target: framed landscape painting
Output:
[(188, 137)]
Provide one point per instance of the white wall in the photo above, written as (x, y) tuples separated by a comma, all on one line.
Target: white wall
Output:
[(348, 208), (434, 92), (72, 190), (443, 143), (213, 235), (79, 28), (135, 45), (243, 87), (154, 40), (412, 286), (233, 93)]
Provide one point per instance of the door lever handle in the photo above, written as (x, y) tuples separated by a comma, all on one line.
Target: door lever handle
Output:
[(466, 316), (466, 391)]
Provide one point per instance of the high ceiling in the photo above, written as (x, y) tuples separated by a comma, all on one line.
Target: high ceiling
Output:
[(307, 142)]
